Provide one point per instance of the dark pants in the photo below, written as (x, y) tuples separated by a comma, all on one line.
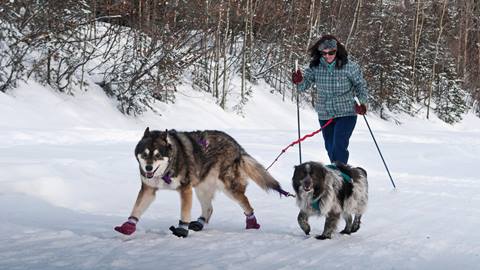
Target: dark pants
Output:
[(337, 135)]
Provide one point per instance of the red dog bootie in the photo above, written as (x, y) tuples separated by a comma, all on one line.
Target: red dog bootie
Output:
[(128, 227), (252, 222)]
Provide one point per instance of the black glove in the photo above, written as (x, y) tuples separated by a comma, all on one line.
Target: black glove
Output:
[(197, 225), (181, 230)]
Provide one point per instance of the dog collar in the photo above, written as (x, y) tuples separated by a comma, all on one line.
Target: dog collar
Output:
[(167, 178), (203, 142), (316, 204)]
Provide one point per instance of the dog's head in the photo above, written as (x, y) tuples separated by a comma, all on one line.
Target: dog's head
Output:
[(309, 177), (153, 153)]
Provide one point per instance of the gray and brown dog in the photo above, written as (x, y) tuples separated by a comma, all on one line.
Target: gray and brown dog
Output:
[(203, 160), (332, 191)]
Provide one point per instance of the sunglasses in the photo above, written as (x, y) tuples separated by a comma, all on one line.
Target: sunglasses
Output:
[(329, 53)]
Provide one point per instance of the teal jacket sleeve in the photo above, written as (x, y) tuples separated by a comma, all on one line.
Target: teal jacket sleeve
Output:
[(359, 84), (308, 80)]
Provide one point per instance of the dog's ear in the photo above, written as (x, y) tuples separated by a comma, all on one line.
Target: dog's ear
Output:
[(296, 168), (146, 133), (164, 136), (298, 172)]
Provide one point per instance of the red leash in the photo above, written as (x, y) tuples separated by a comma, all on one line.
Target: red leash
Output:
[(300, 140)]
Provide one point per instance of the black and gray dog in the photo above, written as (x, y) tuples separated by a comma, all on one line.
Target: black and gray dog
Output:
[(331, 191), (206, 161)]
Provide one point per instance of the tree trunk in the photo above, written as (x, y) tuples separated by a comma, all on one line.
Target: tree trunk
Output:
[(436, 56), (217, 54), (468, 6), (245, 49), (354, 21), (311, 22), (225, 65), (417, 33)]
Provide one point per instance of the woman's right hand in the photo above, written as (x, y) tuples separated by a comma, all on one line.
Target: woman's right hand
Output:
[(361, 109), (297, 76)]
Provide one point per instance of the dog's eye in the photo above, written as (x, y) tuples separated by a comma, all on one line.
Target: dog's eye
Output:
[(164, 152), (144, 156), (298, 174), (158, 156)]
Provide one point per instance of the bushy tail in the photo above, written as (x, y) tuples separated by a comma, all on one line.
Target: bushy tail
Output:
[(259, 174), (354, 172)]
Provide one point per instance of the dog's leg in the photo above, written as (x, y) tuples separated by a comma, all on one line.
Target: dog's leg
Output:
[(356, 223), (251, 220), (204, 194), (348, 223), (303, 222), (144, 199), (242, 201), (186, 203), (330, 226), (235, 186), (186, 208)]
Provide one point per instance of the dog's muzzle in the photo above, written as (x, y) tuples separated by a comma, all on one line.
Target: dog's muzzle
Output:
[(148, 171), (307, 184)]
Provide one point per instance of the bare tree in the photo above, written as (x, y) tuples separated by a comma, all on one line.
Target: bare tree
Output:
[(432, 79), (417, 33), (354, 21)]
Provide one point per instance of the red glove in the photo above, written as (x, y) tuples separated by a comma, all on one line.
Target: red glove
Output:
[(297, 77), (126, 228), (361, 109)]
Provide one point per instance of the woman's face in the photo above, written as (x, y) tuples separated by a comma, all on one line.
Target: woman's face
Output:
[(329, 55)]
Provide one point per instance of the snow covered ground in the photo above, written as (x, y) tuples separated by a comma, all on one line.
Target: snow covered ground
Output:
[(68, 176)]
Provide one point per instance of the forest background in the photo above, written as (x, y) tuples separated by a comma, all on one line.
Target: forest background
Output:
[(416, 55)]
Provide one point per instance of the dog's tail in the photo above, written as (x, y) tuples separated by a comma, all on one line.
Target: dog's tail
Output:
[(363, 171), (259, 174)]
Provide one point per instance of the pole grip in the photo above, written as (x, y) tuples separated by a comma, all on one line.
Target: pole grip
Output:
[(356, 100), (298, 118)]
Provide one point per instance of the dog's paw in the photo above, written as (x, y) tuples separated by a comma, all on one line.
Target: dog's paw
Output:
[(126, 228), (322, 237), (180, 232), (251, 222), (197, 225), (355, 227), (303, 222), (345, 232), (305, 228)]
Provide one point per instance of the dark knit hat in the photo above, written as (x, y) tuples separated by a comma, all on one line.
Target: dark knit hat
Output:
[(328, 44)]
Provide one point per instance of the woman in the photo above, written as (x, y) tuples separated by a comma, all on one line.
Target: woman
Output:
[(338, 80)]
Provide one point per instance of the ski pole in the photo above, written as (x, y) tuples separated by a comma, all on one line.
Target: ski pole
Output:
[(298, 117), (375, 141)]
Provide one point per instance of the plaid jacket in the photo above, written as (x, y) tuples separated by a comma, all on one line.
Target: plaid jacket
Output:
[(335, 89)]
